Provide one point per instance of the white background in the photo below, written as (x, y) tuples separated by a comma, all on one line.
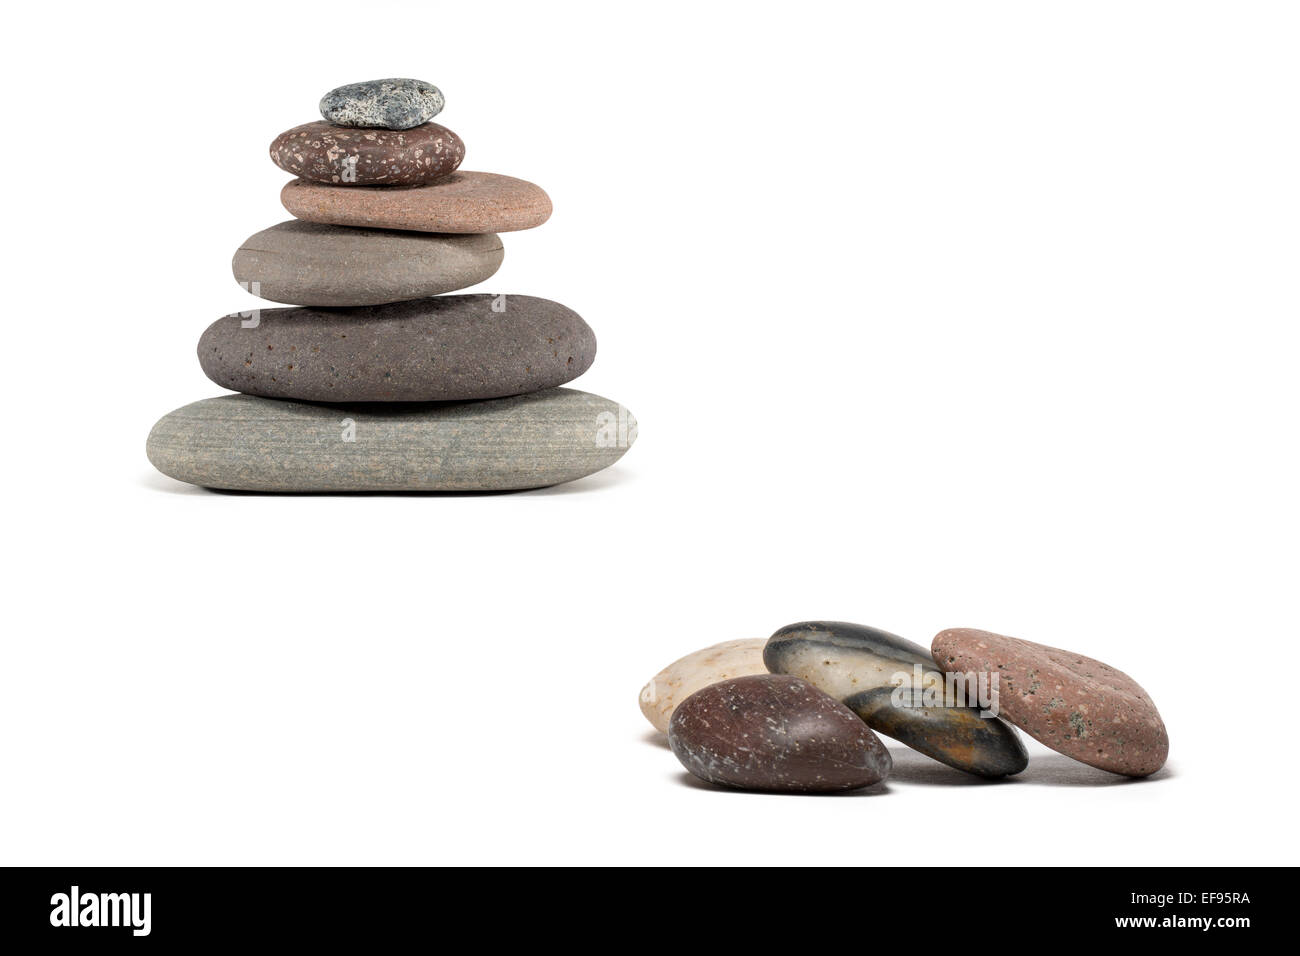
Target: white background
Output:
[(932, 315)]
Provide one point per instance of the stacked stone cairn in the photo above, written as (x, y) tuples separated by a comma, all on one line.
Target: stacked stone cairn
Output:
[(377, 380)]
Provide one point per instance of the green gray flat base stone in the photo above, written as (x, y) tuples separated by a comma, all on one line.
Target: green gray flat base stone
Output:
[(247, 443)]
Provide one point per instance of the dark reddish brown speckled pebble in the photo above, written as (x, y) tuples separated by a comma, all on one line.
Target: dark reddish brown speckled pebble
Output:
[(1076, 705), (773, 732), (368, 157)]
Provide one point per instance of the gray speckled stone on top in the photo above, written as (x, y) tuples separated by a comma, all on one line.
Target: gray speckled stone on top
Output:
[(383, 104), (246, 443)]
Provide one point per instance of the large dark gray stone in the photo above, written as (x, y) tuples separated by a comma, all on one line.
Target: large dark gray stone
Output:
[(444, 348)]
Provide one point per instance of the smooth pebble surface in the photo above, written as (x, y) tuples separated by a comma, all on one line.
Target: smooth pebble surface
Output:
[(957, 736), (444, 348), (1076, 705), (390, 104), (773, 732), (683, 677), (307, 263), (862, 665), (464, 201), (369, 157), (246, 443)]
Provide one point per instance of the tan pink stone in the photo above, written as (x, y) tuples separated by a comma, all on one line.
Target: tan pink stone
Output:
[(1076, 705), (462, 202)]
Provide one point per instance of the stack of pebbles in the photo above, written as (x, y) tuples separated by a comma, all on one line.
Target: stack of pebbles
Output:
[(378, 381)]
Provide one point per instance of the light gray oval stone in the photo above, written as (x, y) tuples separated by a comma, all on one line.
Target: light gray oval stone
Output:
[(444, 348), (845, 659), (309, 263), (247, 443), (383, 104)]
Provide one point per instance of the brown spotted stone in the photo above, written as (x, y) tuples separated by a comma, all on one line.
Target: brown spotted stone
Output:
[(1076, 705), (462, 202), (774, 732), (368, 157)]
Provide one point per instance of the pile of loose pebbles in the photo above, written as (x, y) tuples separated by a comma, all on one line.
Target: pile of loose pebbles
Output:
[(800, 711)]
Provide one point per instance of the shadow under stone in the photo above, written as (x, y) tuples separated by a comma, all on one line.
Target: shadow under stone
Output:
[(910, 766), (1058, 770), (239, 493), (585, 485), (1044, 770), (157, 481), (695, 783)]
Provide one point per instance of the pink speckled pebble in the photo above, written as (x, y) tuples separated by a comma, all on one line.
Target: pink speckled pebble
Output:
[(1076, 705)]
